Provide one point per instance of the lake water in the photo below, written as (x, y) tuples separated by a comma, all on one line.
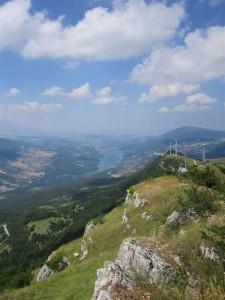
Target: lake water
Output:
[(111, 158)]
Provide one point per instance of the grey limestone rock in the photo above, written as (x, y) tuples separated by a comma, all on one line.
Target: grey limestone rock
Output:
[(174, 219), (45, 273), (135, 258), (88, 228), (208, 253)]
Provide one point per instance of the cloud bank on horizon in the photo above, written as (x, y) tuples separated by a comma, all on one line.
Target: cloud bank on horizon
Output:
[(171, 60)]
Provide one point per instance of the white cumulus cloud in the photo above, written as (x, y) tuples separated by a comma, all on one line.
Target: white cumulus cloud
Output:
[(83, 92), (104, 91), (79, 93), (195, 102), (53, 91), (101, 96), (106, 96), (159, 92), (201, 58), (13, 92), (130, 29), (200, 98)]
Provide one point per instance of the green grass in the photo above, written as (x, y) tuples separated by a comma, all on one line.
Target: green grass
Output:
[(77, 281)]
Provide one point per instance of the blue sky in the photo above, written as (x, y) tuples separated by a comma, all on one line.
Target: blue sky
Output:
[(112, 66)]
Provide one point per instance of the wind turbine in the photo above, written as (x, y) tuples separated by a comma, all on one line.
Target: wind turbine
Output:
[(176, 147)]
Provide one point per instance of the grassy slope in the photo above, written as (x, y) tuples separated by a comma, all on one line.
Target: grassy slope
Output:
[(77, 282)]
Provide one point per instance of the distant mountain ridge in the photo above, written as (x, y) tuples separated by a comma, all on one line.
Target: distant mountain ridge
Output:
[(186, 134)]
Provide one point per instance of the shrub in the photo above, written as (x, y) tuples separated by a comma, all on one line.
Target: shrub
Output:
[(179, 278), (132, 190), (205, 177), (201, 200), (54, 262), (22, 280), (99, 220)]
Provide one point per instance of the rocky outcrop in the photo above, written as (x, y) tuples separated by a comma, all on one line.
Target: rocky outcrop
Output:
[(45, 273), (84, 249), (51, 256), (125, 220), (89, 227), (177, 218), (129, 198), (138, 202), (136, 258), (65, 263), (134, 199), (110, 278), (208, 253), (87, 240), (174, 219), (140, 255)]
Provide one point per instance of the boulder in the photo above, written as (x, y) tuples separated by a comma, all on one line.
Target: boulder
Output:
[(174, 219), (45, 273), (64, 263)]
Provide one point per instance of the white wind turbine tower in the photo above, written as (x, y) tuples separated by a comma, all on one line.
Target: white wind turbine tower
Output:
[(176, 147)]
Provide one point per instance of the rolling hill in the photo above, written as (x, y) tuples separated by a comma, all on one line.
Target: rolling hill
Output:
[(194, 134)]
